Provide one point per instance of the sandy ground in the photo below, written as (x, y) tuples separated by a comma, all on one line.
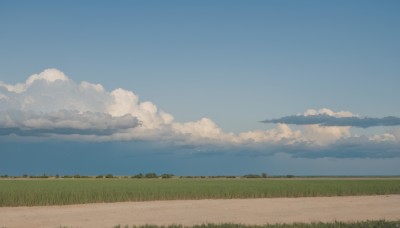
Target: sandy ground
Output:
[(190, 212)]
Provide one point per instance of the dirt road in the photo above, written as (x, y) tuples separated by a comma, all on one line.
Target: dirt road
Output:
[(190, 212)]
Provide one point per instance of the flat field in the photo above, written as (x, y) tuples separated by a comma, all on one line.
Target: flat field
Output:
[(39, 192)]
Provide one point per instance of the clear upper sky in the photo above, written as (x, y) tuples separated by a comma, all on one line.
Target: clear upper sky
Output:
[(234, 62)]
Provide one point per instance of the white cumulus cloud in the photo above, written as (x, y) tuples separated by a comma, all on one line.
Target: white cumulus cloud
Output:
[(50, 104), (326, 111)]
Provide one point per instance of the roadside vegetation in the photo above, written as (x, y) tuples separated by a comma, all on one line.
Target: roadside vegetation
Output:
[(363, 224), (62, 191)]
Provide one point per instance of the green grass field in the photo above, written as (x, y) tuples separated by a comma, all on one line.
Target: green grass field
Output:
[(78, 191)]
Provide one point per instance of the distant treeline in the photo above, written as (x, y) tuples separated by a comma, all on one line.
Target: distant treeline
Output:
[(141, 175), (168, 176)]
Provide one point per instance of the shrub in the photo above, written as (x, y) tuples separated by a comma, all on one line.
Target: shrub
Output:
[(166, 176), (150, 175), (109, 176), (140, 175), (252, 176)]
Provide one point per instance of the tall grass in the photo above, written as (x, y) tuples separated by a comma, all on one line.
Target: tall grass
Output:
[(363, 224), (77, 191)]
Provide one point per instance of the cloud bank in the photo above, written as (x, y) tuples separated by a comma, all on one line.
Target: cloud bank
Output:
[(330, 120), (63, 122), (49, 105)]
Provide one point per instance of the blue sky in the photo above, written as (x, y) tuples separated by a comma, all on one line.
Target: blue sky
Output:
[(217, 67)]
